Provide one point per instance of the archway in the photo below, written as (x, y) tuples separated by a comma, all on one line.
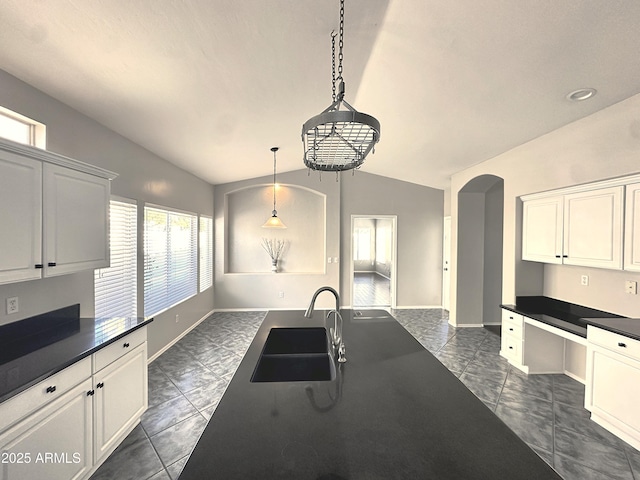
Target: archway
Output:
[(479, 251)]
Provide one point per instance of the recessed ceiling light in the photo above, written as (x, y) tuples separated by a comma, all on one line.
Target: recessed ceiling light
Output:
[(581, 94)]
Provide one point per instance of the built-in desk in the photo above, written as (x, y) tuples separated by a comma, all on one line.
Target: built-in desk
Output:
[(545, 335)]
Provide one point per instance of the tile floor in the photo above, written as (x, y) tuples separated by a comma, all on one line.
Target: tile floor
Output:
[(371, 290), (187, 381)]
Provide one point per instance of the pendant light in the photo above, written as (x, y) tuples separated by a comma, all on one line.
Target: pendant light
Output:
[(274, 221), (337, 140)]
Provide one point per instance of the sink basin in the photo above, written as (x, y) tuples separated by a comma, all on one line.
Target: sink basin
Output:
[(296, 340), (295, 355), (314, 367)]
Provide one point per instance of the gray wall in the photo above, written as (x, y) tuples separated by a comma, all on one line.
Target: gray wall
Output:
[(419, 230), (261, 289), (142, 176), (603, 145)]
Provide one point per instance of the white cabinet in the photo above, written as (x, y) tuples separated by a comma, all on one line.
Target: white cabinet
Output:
[(54, 215), (632, 229), (76, 219), (20, 218), (612, 391), (67, 425), (511, 337), (593, 223), (576, 228), (542, 225), (120, 399)]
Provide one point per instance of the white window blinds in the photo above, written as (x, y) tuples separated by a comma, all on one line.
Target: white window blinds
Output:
[(170, 258), (116, 286), (206, 252)]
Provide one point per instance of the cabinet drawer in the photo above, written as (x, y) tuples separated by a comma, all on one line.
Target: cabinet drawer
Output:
[(512, 323), (512, 348), (44, 392), (111, 353), (614, 342)]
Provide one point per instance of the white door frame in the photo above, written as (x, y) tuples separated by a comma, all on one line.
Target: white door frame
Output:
[(446, 263), (394, 255)]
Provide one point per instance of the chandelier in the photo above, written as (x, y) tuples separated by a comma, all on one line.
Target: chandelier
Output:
[(338, 139)]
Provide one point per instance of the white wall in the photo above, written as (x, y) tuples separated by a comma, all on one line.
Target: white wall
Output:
[(142, 176), (603, 145)]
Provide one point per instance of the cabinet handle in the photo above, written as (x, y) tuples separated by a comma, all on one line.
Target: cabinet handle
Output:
[(51, 389), (510, 348), (100, 385), (90, 393), (623, 345), (511, 329), (565, 256), (126, 345), (558, 256), (51, 264), (511, 318), (39, 265)]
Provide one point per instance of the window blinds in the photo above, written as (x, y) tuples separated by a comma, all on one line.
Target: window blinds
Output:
[(116, 286), (206, 252), (170, 258)]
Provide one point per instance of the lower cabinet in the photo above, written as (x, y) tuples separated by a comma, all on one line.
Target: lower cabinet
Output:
[(119, 400), (53, 443), (66, 426), (612, 391), (511, 346)]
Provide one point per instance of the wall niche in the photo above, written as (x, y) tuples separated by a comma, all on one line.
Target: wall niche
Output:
[(301, 209)]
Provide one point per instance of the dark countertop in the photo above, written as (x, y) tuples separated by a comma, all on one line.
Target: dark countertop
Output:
[(629, 327), (564, 315), (392, 412), (35, 348)]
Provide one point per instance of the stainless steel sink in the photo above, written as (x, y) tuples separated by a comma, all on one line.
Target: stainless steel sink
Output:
[(295, 355)]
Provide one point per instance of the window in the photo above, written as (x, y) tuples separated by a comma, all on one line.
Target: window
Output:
[(170, 258), (116, 286), (21, 129), (362, 244), (206, 252)]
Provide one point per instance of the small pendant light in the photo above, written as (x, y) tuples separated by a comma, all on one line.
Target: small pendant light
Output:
[(274, 221)]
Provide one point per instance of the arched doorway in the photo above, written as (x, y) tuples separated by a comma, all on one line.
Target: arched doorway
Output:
[(479, 251)]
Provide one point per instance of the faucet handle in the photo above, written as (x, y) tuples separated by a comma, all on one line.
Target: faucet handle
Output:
[(341, 354)]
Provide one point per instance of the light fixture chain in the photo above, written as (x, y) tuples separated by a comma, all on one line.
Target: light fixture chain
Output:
[(340, 41), (333, 64), (274, 179)]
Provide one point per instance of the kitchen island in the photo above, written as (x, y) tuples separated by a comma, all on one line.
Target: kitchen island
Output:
[(392, 411)]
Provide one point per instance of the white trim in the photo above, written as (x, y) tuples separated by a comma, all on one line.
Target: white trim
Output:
[(492, 324), (54, 158), (468, 325), (556, 331), (156, 206), (179, 337), (417, 307), (586, 187)]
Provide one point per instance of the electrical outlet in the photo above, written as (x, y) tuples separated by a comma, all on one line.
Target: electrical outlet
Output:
[(584, 280), (631, 287), (177, 318), (329, 260), (12, 305), (281, 294)]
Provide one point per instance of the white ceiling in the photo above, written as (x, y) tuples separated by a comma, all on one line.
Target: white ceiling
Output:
[(211, 85)]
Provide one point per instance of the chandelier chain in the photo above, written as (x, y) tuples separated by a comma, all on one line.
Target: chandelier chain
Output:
[(333, 64), (340, 40)]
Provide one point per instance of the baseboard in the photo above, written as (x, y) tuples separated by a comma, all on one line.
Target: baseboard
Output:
[(177, 339), (256, 309), (497, 324), (417, 307)]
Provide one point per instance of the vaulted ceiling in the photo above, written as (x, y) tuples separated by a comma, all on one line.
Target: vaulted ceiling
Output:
[(211, 85)]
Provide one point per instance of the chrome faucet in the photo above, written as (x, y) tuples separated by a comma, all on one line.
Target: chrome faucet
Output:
[(336, 331)]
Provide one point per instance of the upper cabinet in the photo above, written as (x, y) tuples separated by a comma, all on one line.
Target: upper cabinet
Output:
[(583, 225), (632, 230), (54, 215)]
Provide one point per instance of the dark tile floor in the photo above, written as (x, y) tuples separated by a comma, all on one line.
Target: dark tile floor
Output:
[(371, 290), (188, 380)]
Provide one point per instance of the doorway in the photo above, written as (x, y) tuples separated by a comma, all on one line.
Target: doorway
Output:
[(373, 261)]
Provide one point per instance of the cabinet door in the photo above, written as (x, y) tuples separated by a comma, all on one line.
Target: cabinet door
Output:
[(120, 399), (542, 230), (632, 229), (54, 443), (20, 218), (76, 221), (593, 228)]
